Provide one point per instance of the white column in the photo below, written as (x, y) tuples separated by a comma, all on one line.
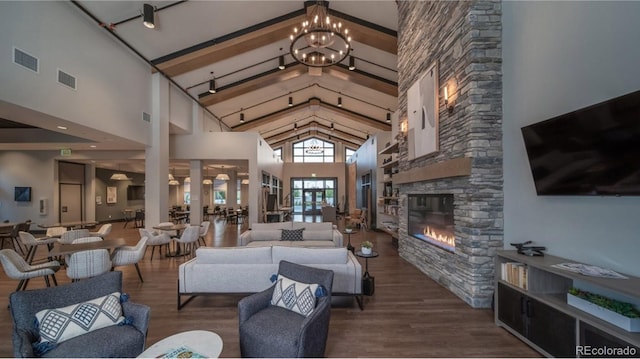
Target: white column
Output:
[(157, 155), (196, 191)]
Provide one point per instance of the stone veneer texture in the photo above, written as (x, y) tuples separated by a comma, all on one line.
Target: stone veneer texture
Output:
[(465, 38)]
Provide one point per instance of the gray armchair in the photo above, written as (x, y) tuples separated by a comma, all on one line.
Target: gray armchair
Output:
[(113, 341), (271, 331)]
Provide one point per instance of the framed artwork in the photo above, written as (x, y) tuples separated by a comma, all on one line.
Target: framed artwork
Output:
[(422, 113), (112, 194)]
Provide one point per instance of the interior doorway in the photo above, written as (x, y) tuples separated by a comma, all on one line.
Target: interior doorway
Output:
[(310, 194), (70, 202), (313, 199)]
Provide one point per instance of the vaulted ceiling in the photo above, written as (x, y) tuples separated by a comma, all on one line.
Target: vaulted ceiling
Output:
[(240, 43)]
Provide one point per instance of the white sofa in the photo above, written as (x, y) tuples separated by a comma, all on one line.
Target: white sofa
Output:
[(239, 270), (323, 234)]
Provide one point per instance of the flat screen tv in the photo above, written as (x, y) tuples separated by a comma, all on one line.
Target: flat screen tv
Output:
[(135, 192), (594, 151), (22, 194)]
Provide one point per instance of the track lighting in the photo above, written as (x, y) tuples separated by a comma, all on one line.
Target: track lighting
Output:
[(290, 101), (148, 16), (339, 101), (241, 117), (281, 62), (212, 85), (352, 63)]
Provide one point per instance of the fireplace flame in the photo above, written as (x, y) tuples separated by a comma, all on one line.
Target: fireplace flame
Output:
[(448, 240)]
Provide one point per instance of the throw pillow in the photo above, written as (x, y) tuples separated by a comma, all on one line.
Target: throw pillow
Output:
[(291, 234), (60, 324), (295, 296)]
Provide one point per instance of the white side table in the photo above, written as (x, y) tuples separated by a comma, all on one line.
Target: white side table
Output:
[(208, 344)]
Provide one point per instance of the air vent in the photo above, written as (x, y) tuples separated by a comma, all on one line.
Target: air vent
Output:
[(66, 79), (146, 116), (23, 59)]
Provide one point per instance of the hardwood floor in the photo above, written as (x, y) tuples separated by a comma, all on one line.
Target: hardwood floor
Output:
[(409, 315)]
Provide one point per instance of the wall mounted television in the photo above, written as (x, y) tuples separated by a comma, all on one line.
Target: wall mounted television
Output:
[(22, 194), (135, 192), (594, 151)]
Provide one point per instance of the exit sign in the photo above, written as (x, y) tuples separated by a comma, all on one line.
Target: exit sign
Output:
[(65, 152)]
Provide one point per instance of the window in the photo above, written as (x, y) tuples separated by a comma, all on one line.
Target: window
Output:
[(187, 192), (219, 192), (278, 152), (238, 192), (348, 152), (313, 150)]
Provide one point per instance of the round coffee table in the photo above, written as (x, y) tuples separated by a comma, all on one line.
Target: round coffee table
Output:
[(206, 344)]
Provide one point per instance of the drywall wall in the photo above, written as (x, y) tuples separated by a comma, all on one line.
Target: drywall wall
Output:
[(558, 57)]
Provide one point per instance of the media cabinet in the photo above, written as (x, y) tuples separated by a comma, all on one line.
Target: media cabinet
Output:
[(533, 307)]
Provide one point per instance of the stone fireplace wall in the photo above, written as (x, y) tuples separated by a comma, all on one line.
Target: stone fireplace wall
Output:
[(465, 38)]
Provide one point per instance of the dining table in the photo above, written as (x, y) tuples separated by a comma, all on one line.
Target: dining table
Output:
[(108, 244), (70, 225)]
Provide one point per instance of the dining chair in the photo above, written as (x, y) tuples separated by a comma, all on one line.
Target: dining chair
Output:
[(204, 229), (104, 230), (87, 264), (12, 237), (16, 268), (32, 243), (159, 240), (69, 236), (130, 255), (55, 231), (188, 238)]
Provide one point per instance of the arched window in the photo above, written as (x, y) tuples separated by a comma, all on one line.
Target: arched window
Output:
[(313, 150)]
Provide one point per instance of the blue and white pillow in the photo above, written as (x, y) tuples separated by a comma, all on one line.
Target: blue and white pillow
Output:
[(295, 296), (60, 324), (292, 235)]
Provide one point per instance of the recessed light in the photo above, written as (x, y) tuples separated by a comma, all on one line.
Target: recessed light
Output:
[(62, 127)]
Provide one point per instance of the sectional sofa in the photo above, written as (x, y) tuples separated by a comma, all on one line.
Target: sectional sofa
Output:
[(323, 234), (245, 270)]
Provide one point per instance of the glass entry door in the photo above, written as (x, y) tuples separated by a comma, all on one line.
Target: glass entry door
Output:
[(313, 201)]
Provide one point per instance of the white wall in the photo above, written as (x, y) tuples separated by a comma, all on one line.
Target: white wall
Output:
[(33, 169), (112, 84), (558, 57)]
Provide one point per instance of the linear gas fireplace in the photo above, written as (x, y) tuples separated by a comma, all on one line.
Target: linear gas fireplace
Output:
[(431, 219)]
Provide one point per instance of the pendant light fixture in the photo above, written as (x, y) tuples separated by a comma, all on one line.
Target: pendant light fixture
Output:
[(339, 101), (290, 101), (207, 180), (352, 63), (241, 117), (388, 117), (172, 180), (319, 41), (222, 176), (119, 176), (281, 62)]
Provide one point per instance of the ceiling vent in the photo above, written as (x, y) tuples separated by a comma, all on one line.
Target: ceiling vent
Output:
[(23, 59), (146, 116), (66, 79)]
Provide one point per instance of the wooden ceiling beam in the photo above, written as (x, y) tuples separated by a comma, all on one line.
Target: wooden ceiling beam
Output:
[(363, 79), (268, 32), (304, 135), (254, 84), (287, 133), (354, 116), (233, 46)]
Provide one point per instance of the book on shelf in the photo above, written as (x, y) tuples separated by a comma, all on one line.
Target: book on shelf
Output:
[(515, 273)]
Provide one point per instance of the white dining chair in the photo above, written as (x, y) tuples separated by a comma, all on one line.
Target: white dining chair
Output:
[(130, 255), (87, 264)]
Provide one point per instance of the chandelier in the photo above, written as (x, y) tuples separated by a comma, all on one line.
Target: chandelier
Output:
[(320, 42), (314, 148)]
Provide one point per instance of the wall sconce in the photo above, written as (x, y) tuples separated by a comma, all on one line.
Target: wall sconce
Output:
[(449, 102), (404, 126)]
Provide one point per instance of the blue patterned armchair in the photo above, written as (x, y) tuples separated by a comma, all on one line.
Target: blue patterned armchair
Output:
[(268, 330), (112, 341)]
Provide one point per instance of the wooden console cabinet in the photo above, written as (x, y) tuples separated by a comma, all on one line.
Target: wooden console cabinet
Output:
[(537, 312)]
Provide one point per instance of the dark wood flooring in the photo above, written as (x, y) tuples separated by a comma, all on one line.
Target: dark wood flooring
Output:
[(410, 315)]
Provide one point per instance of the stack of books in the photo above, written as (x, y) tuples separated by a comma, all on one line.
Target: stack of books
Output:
[(514, 273)]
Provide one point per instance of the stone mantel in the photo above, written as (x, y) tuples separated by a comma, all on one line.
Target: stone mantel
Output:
[(456, 167)]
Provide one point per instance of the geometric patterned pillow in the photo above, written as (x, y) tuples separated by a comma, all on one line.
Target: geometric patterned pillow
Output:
[(60, 324), (295, 296), (291, 234)]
